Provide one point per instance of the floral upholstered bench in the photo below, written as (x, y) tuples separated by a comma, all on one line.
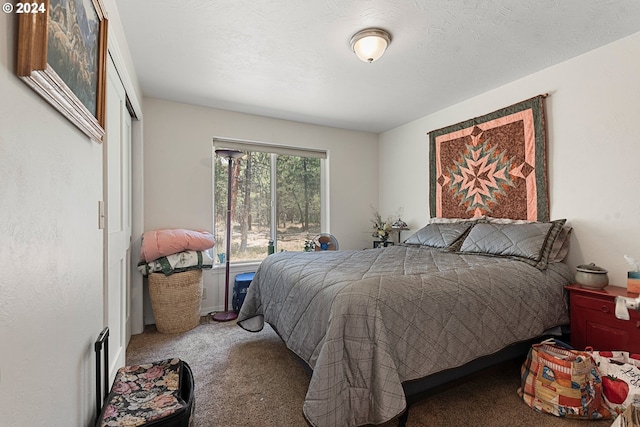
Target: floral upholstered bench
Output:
[(153, 394)]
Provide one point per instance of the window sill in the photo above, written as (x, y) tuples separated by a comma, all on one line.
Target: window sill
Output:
[(233, 265)]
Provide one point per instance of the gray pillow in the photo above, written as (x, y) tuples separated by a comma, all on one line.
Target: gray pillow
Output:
[(560, 247), (440, 235), (439, 220), (529, 242)]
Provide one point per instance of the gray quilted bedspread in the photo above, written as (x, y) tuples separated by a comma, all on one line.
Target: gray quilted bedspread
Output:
[(365, 321)]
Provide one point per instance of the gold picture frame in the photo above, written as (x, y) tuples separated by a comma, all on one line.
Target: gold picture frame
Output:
[(62, 55)]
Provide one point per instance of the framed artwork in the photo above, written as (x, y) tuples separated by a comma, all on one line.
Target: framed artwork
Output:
[(62, 54), (494, 165)]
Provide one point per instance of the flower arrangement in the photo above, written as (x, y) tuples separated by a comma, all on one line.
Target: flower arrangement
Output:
[(309, 245), (381, 229)]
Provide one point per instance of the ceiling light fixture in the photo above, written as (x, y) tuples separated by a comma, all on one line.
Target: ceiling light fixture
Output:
[(369, 44)]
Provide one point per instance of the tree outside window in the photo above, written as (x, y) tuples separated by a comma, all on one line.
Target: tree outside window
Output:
[(273, 197)]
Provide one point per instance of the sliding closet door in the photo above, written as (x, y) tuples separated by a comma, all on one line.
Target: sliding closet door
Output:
[(117, 169)]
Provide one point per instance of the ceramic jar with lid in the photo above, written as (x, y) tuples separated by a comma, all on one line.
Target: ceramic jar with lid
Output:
[(591, 276)]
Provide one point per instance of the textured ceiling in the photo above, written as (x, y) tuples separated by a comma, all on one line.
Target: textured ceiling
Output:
[(291, 59)]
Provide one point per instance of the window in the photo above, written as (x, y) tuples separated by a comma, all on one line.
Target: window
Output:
[(276, 194)]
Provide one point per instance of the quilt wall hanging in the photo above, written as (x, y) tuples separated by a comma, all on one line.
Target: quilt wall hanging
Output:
[(494, 165)]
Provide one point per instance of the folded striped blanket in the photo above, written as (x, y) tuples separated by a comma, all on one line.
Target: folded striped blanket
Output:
[(176, 263)]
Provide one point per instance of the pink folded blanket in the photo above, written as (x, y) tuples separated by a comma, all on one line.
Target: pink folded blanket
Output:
[(159, 243)]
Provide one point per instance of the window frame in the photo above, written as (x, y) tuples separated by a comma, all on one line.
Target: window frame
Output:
[(274, 150)]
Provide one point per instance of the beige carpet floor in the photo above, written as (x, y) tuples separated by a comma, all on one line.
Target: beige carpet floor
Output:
[(245, 379)]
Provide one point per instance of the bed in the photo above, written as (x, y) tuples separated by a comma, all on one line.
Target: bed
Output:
[(370, 324)]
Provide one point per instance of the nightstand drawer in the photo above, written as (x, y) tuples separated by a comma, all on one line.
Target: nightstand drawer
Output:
[(599, 305), (604, 305)]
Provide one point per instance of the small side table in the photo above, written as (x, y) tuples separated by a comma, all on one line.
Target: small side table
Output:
[(380, 243), (593, 320)]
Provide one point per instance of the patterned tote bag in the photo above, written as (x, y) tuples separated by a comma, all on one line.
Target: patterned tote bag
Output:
[(561, 381)]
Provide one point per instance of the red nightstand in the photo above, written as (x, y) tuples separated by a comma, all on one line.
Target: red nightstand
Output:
[(593, 320)]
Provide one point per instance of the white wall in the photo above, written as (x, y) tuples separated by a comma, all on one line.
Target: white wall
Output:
[(177, 171), (50, 256), (51, 250), (593, 149)]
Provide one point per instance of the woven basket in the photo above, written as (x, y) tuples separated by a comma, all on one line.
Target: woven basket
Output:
[(175, 300)]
